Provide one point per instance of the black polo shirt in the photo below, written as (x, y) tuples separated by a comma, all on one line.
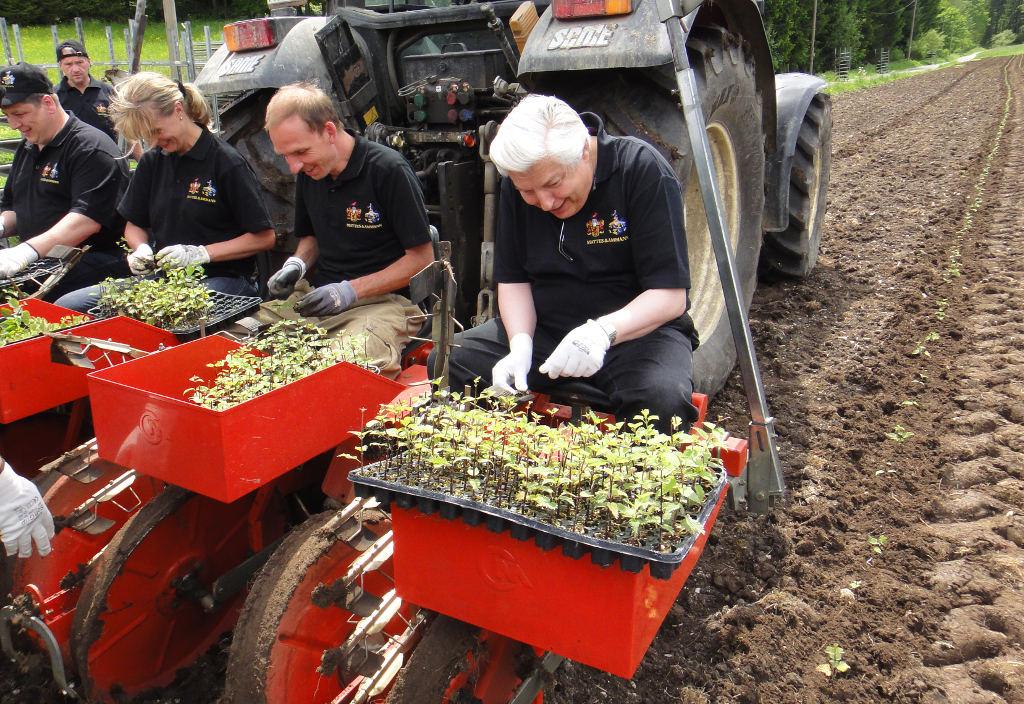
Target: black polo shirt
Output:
[(364, 219), (91, 105), (79, 171), (628, 238), (209, 194)]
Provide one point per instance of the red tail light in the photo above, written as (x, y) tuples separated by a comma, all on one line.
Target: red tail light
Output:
[(572, 9), (250, 34)]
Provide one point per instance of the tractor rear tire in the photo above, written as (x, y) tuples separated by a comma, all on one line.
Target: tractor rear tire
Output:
[(793, 252), (641, 104)]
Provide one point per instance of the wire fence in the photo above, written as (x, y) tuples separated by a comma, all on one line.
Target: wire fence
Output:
[(195, 50)]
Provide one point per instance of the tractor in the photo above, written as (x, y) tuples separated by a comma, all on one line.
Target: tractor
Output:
[(191, 543)]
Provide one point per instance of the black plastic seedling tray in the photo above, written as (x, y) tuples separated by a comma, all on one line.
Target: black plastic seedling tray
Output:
[(227, 308), (574, 545), (38, 271)]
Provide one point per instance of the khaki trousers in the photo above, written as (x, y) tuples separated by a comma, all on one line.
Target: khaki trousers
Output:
[(389, 322)]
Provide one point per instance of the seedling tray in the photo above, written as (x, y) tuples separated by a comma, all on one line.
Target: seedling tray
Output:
[(38, 271), (227, 308), (502, 572), (29, 381), (143, 419)]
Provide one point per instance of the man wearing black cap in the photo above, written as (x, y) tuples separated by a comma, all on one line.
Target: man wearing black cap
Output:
[(63, 187), (79, 92)]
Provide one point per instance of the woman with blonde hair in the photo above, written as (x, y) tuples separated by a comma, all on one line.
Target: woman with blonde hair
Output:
[(193, 199)]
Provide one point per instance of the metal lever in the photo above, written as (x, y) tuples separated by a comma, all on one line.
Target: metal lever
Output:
[(765, 483), (73, 350), (9, 615)]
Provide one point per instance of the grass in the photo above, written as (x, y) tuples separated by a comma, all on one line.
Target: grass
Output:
[(37, 43), (868, 76), (1011, 50)]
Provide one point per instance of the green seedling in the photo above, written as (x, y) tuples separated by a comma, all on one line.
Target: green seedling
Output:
[(899, 434), (174, 301), (835, 665), (626, 482), (910, 403), (941, 312), (878, 543), (17, 324), (287, 352), (855, 584)]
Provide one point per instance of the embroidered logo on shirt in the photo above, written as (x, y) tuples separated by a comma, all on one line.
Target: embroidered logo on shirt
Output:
[(101, 109), (601, 233), (363, 218), (197, 191), (50, 173)]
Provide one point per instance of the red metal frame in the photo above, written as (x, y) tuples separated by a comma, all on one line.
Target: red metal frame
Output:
[(143, 419), (29, 381), (604, 617)]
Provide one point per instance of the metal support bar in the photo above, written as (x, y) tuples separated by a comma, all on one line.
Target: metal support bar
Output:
[(765, 484), (9, 615), (6, 39), (532, 685)]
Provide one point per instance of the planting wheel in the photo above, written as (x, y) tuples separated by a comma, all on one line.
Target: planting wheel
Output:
[(322, 619), (55, 580), (141, 615)]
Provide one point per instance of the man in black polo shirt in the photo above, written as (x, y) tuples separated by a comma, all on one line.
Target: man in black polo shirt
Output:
[(63, 186), (80, 93), (591, 266), (359, 216)]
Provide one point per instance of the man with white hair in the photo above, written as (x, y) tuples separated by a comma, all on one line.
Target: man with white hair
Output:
[(591, 267)]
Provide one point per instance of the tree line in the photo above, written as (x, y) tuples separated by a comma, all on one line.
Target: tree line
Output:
[(862, 26)]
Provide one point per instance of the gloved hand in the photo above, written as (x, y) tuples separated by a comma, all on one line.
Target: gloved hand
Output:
[(182, 255), (282, 283), (329, 299), (514, 366), (580, 353), (140, 260), (23, 515), (15, 259)]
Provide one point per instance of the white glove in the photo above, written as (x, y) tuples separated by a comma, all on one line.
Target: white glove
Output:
[(23, 515), (282, 283), (182, 255), (15, 259), (514, 366), (141, 261), (580, 353)]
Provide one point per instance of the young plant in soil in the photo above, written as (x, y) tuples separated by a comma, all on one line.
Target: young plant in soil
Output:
[(175, 301), (626, 482), (287, 352), (18, 324), (835, 665)]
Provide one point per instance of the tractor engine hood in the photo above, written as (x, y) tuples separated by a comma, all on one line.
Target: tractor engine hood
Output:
[(296, 57)]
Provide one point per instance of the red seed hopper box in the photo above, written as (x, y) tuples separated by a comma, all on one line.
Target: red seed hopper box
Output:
[(29, 382), (143, 419)]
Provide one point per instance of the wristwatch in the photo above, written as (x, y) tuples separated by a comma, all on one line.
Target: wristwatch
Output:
[(609, 330)]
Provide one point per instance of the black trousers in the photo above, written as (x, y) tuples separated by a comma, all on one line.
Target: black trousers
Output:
[(654, 372), (92, 268)]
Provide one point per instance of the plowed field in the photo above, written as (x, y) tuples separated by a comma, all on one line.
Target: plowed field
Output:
[(896, 373)]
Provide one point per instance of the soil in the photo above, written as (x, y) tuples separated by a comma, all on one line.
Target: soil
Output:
[(924, 234)]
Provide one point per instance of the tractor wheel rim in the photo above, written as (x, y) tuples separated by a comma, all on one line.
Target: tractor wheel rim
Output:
[(705, 284)]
